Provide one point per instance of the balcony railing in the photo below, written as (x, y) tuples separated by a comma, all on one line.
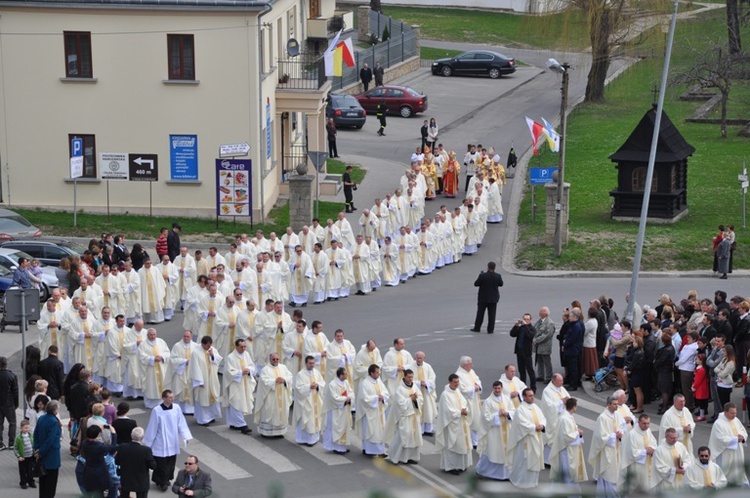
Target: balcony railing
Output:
[(304, 72)]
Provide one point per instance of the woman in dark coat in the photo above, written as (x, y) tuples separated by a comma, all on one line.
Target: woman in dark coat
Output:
[(636, 376), (664, 367), (564, 327), (95, 474), (137, 255)]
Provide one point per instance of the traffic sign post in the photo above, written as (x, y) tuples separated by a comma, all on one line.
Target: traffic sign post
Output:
[(145, 168), (76, 171), (539, 176), (744, 184), (318, 159)]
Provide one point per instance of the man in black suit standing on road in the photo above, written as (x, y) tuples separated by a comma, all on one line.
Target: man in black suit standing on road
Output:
[(135, 461), (52, 370), (487, 298)]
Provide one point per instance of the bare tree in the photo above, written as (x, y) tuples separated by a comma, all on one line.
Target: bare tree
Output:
[(375, 5), (733, 27)]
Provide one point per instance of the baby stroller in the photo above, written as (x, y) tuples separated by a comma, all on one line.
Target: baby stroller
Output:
[(606, 378)]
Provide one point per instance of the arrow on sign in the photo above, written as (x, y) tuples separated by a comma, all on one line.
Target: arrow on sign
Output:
[(140, 161)]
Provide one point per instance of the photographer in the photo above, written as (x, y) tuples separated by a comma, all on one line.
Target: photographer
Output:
[(524, 333), (349, 187)]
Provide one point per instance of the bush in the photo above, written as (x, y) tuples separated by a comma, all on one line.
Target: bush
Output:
[(386, 34)]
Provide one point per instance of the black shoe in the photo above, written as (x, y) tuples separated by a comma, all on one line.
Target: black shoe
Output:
[(341, 452), (292, 304), (163, 487), (490, 331), (353, 209), (32, 484), (245, 430), (475, 330), (3, 447), (235, 428), (303, 305), (455, 472), (411, 462), (723, 277)]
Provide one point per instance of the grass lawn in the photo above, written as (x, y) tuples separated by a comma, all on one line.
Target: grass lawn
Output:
[(596, 131), (338, 167), (431, 53)]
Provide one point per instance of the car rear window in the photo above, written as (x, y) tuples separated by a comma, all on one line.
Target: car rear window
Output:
[(347, 101), (14, 223), (413, 92)]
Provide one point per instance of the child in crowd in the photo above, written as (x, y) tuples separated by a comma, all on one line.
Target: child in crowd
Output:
[(110, 411), (24, 450)]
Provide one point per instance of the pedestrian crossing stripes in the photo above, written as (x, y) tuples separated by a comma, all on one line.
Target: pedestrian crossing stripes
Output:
[(218, 463), (256, 449), (318, 452)]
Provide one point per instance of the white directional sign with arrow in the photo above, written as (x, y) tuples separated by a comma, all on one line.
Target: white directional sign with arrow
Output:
[(143, 167), (232, 150)]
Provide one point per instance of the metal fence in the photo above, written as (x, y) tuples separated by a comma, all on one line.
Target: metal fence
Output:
[(304, 72), (378, 23), (393, 51)]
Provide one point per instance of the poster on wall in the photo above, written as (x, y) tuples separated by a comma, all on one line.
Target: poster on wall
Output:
[(183, 157), (234, 187)]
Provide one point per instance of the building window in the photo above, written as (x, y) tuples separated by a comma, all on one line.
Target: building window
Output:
[(639, 180), (89, 153), (78, 55), (181, 57)]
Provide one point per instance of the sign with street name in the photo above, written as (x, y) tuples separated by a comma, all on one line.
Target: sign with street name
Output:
[(541, 176), (232, 150), (76, 158), (183, 157), (234, 187), (143, 167), (114, 166)]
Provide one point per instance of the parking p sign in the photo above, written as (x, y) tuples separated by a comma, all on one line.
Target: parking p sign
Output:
[(76, 158), (541, 176)]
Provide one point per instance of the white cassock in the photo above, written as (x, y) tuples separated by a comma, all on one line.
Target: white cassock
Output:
[(51, 336), (391, 362), (203, 371), (425, 252), (699, 476), (374, 264), (390, 269), (154, 372), (238, 388), (361, 267), (494, 458), (177, 377), (468, 383), (225, 328), (334, 276), (567, 463), (277, 327), (132, 368), (666, 460), (111, 291), (289, 241), (637, 465), (216, 260), (403, 430), (514, 385), (307, 241), (192, 296), (186, 275), (370, 421), (294, 342), (315, 345), (339, 356), (302, 277), (526, 446), (606, 452), (91, 298), (337, 416), (100, 332), (453, 431), (727, 451), (83, 349), (114, 351), (347, 275), (495, 204), (677, 419), (208, 304), (274, 400), (320, 268), (307, 415), (424, 376), (165, 430), (245, 327), (362, 362), (170, 277), (347, 234), (552, 406), (131, 293)]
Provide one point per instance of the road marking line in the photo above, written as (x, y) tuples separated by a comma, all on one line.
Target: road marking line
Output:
[(318, 451), (433, 477), (216, 461), (256, 449)]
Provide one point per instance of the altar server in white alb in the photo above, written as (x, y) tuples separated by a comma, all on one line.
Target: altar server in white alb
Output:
[(453, 428), (527, 442), (337, 413), (166, 429), (497, 413), (404, 426), (567, 463), (203, 371), (239, 386)]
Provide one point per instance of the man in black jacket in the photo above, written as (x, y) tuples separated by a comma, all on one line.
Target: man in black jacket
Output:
[(8, 402), (124, 425), (173, 241), (52, 370), (135, 461), (365, 76), (487, 297), (524, 333), (78, 396)]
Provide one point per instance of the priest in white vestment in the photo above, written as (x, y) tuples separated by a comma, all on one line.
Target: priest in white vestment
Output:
[(293, 347), (471, 387), (403, 241), (82, 338), (404, 426), (320, 265), (526, 444), (184, 263), (177, 378), (207, 307), (337, 413), (225, 326), (166, 429), (289, 240), (100, 331), (110, 286), (497, 413), (395, 361), (453, 429), (239, 386), (705, 473), (114, 350), (153, 354), (131, 292), (203, 372), (361, 266), (671, 459), (49, 325), (727, 443), (554, 397), (680, 419), (390, 269), (424, 376), (274, 397), (89, 298), (192, 296), (638, 449), (335, 276), (373, 399), (374, 262), (624, 410), (170, 276), (316, 345), (605, 453), (368, 354), (512, 385), (567, 463), (132, 368), (302, 276), (345, 228), (340, 353), (307, 415)]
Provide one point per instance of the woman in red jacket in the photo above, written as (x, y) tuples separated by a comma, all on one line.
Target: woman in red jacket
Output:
[(700, 387)]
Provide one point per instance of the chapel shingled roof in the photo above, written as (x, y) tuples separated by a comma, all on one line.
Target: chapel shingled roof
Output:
[(671, 146)]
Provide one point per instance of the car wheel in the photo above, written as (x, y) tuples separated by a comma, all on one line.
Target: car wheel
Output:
[(494, 73), (446, 71), (406, 111)]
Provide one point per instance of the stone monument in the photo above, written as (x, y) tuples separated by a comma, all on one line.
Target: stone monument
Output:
[(300, 198)]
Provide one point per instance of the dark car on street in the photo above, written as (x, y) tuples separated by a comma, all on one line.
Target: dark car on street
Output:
[(475, 63), (400, 100), (345, 111), (48, 252)]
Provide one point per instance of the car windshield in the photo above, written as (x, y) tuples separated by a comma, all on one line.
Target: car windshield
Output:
[(413, 92), (18, 254), (14, 223), (77, 248)]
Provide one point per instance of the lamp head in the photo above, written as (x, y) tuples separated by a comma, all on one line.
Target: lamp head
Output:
[(555, 66)]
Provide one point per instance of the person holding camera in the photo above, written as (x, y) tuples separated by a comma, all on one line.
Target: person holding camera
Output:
[(349, 187), (487, 297), (524, 333)]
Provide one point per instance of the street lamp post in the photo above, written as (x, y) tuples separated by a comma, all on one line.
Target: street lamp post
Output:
[(562, 69)]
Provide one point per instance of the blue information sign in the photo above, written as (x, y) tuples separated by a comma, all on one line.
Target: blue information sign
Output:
[(540, 176), (269, 143), (183, 157), (234, 187)]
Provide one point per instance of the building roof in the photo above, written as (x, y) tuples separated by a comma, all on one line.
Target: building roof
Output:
[(234, 5), (671, 145)]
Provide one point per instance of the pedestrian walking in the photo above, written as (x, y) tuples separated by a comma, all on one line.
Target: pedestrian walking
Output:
[(24, 451), (365, 76), (166, 429), (331, 133), (47, 435), (723, 252), (382, 110), (135, 461), (542, 345), (425, 133), (52, 370), (487, 297), (349, 188), (379, 72), (8, 402), (173, 241)]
